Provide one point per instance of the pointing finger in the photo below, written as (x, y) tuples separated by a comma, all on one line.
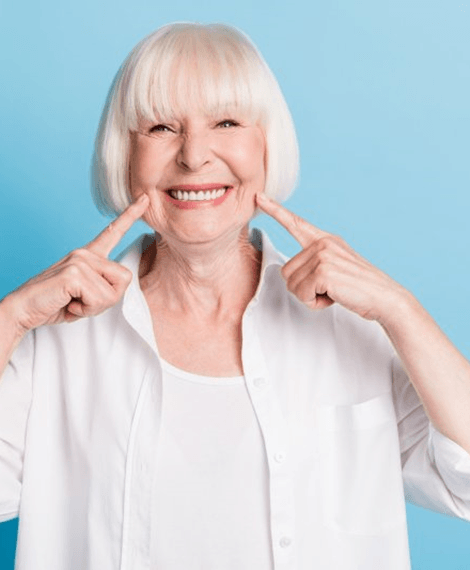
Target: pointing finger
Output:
[(304, 232), (108, 239)]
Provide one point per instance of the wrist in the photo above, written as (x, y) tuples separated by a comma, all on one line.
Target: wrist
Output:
[(10, 318), (402, 308)]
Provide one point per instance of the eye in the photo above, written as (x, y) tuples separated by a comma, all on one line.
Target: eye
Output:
[(159, 129), (226, 123)]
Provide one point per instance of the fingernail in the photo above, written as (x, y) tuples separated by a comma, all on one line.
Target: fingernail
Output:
[(142, 198), (261, 197)]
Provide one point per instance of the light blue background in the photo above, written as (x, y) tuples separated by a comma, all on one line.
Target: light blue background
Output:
[(379, 92)]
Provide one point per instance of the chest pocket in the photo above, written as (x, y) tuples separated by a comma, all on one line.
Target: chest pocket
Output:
[(360, 467)]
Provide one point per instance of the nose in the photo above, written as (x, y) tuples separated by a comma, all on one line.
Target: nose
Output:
[(194, 151)]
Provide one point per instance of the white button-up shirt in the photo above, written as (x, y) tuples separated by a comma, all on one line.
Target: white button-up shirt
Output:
[(345, 436)]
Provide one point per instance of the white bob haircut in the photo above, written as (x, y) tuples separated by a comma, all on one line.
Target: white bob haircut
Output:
[(214, 67)]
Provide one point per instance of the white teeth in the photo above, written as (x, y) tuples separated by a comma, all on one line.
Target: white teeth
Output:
[(197, 196)]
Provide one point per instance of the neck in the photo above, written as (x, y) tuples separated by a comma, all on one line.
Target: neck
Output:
[(214, 278)]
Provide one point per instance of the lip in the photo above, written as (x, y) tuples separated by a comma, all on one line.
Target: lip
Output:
[(198, 187), (193, 204)]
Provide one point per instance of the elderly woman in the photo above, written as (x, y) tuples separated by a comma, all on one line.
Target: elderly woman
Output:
[(204, 403)]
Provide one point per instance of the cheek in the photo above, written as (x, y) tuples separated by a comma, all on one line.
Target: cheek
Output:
[(250, 161), (145, 165), (141, 173)]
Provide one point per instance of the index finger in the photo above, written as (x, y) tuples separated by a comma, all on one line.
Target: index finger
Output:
[(304, 232), (108, 239)]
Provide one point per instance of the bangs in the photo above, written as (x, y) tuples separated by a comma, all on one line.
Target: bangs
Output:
[(209, 71)]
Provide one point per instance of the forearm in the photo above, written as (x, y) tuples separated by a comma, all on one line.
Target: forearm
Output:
[(439, 373), (10, 332)]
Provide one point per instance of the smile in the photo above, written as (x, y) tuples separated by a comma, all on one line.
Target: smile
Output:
[(184, 196), (186, 199)]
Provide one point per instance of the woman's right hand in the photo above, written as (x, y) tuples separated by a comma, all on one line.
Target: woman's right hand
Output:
[(82, 284)]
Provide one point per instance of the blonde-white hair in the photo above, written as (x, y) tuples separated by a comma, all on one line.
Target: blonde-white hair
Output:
[(214, 66)]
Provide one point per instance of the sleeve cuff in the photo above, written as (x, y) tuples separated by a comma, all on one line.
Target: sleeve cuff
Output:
[(453, 463)]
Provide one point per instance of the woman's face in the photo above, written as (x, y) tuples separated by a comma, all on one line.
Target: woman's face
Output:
[(201, 174)]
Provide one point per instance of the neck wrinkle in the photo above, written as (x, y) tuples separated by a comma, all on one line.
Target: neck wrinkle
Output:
[(220, 278)]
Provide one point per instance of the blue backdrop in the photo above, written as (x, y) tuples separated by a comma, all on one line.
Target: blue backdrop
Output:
[(379, 92)]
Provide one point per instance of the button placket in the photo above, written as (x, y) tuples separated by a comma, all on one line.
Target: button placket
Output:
[(139, 473), (260, 382), (274, 430), (279, 457)]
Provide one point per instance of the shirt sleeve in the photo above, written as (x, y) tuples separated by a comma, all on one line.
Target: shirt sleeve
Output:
[(436, 470), (15, 401)]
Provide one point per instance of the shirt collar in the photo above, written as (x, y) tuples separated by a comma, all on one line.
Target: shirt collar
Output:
[(134, 305), (271, 258)]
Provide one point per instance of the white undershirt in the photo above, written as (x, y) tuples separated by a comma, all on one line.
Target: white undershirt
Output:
[(210, 507)]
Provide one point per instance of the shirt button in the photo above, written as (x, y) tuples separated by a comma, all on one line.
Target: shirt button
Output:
[(279, 457), (285, 542), (260, 382)]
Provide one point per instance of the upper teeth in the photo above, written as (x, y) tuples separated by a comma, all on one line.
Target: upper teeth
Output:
[(201, 195)]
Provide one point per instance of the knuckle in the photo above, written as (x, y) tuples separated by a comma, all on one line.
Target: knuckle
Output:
[(285, 271), (122, 277), (298, 222), (324, 255), (79, 253), (119, 286), (324, 243), (337, 239), (72, 271), (290, 284), (126, 275), (304, 292), (110, 228)]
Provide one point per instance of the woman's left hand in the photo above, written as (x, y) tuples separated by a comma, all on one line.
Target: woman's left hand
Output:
[(328, 270)]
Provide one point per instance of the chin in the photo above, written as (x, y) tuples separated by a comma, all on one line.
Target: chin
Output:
[(203, 233)]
